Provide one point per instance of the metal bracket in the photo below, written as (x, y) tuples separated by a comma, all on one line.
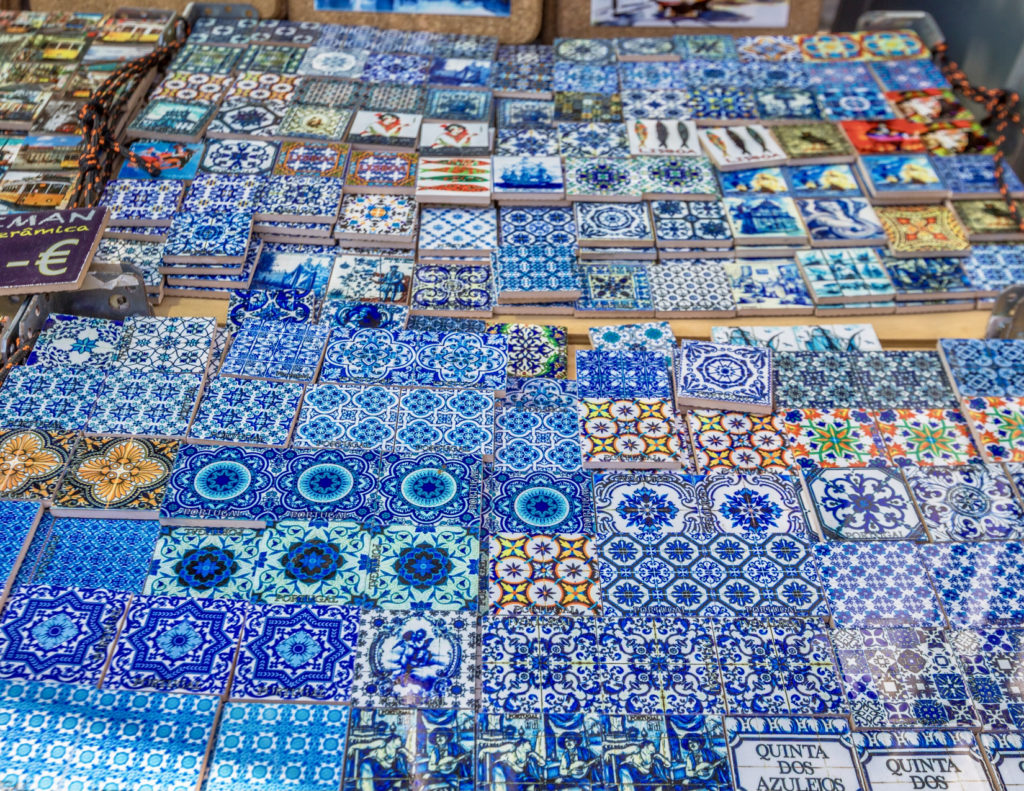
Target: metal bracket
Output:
[(193, 11), (1007, 317), (921, 22)]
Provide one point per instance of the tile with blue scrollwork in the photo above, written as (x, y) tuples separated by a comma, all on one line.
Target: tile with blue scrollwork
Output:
[(841, 103), (58, 399), (457, 228), (260, 744), (138, 201), (539, 502), (903, 379), (605, 223), (431, 567), (212, 238), (429, 488), (931, 691), (989, 658), (528, 440), (586, 78), (971, 502), (646, 503), (164, 343), (172, 644), (204, 563), (691, 286), (868, 504), (541, 142), (722, 103), (276, 350), (347, 416), (648, 336), (284, 305), (399, 69), (59, 634), (594, 139), (837, 73), (725, 376), (360, 315), (622, 374), (297, 652), (786, 103), (991, 367), (698, 223), (537, 225), (442, 674), (603, 178), (75, 340), (458, 289), (445, 420), (309, 198), (525, 271), (326, 484), (535, 350), (669, 104), (909, 75), (766, 504), (248, 412), (778, 667), (219, 193), (978, 584), (145, 403), (244, 157), (525, 393), (877, 584)]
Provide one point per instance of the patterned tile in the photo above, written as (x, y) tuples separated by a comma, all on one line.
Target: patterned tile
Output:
[(276, 350), (923, 230), (537, 438), (204, 563), (536, 225), (217, 193), (902, 677), (613, 223), (427, 566), (51, 399), (990, 367), (731, 441), (239, 157), (876, 584), (540, 573), (778, 667), (285, 305), (170, 644), (766, 504), (75, 340), (834, 438), (925, 437), (535, 349), (990, 660), (247, 412), (997, 425), (536, 272), (838, 276), (913, 380), (972, 502), (211, 238), (535, 503), (138, 201), (978, 584), (648, 504), (622, 374), (344, 416), (602, 178), (691, 286), (863, 504), (32, 461), (429, 488), (773, 284), (927, 278), (459, 289), (647, 336), (303, 198), (377, 217), (635, 432), (59, 634), (448, 421), (541, 142), (622, 288), (174, 345), (297, 652), (144, 402), (724, 376)]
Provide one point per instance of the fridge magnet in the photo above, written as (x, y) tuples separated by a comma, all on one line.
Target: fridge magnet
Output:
[(735, 147), (384, 130)]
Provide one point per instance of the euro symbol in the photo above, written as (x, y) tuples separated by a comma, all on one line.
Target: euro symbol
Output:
[(55, 255)]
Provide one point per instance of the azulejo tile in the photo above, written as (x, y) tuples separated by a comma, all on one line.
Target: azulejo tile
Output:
[(723, 376), (75, 340), (427, 567), (883, 753), (641, 432), (141, 202), (542, 573), (52, 399), (524, 393), (297, 652), (648, 336), (448, 421), (429, 488), (648, 504), (868, 504), (222, 193), (285, 305), (998, 425), (1003, 751), (807, 337), (537, 225), (534, 349), (622, 375), (243, 157), (910, 380), (819, 380), (978, 584), (344, 416), (177, 644), (615, 287), (266, 743), (902, 677), (730, 441), (458, 229), (327, 484), (145, 403), (247, 412), (539, 502), (174, 345), (416, 659), (844, 438), (967, 503), (925, 437), (685, 287), (276, 350), (877, 584), (32, 461), (991, 367), (742, 502), (989, 659), (59, 634), (210, 238), (203, 563), (457, 289)]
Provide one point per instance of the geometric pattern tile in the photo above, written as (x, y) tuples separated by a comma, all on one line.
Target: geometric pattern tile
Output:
[(972, 502), (866, 504)]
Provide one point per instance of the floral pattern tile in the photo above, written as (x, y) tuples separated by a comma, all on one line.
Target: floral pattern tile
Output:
[(972, 502), (731, 441), (866, 504), (834, 438), (541, 573), (925, 437), (633, 432), (998, 426)]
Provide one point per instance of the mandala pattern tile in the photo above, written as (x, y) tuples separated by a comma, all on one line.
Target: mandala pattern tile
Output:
[(636, 432), (267, 743), (925, 437), (59, 634), (449, 421), (427, 567), (731, 441), (297, 652), (241, 157), (998, 426), (49, 399), (866, 504), (622, 374), (309, 198), (902, 677), (540, 393), (723, 375), (647, 504), (972, 502), (276, 350), (602, 178), (174, 345), (537, 503), (144, 402), (782, 666), (990, 659), (923, 230), (75, 340), (542, 573), (844, 103), (526, 142), (843, 438), (377, 216), (876, 584), (913, 380), (212, 237), (430, 488), (253, 412), (535, 350), (442, 668), (203, 563), (765, 504), (177, 644), (693, 286)]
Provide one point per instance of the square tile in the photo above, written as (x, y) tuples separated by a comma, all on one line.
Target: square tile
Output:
[(456, 289), (145, 403), (523, 393), (288, 304), (992, 267), (574, 106), (75, 340), (343, 416), (622, 374), (326, 484), (978, 583), (852, 103), (276, 350), (373, 170), (540, 273), (219, 193), (723, 376), (208, 238), (1003, 750), (902, 379), (843, 438), (806, 337), (33, 461), (731, 441), (458, 104), (778, 667), (973, 502), (603, 224), (419, 568), (765, 220), (204, 563), (396, 130), (377, 218), (171, 120), (59, 634), (535, 350), (923, 230), (55, 399), (997, 425), (592, 139), (458, 230), (536, 503), (909, 75), (623, 288), (429, 488), (126, 477), (902, 677), (250, 412), (633, 432), (927, 278), (536, 225), (876, 584), (691, 286), (838, 276), (648, 336), (539, 573), (451, 421), (925, 437), (868, 504), (264, 85), (300, 198), (526, 142), (369, 278), (530, 439), (297, 652), (841, 221), (239, 157), (881, 753), (439, 671), (974, 176), (171, 644), (649, 503), (174, 345), (823, 181), (141, 202), (307, 745), (767, 504), (615, 178), (990, 659), (771, 284)]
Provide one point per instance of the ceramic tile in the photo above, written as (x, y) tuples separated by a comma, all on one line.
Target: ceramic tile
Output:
[(216, 59), (54, 399), (770, 284), (524, 393), (680, 287), (813, 141), (852, 103), (211, 238), (608, 223), (449, 421), (902, 677), (537, 439), (823, 181), (306, 197), (1002, 750), (433, 568), (75, 340), (247, 118), (838, 276), (990, 659), (722, 375), (877, 584), (203, 563), (778, 667), (369, 278), (993, 267), (33, 461), (247, 412), (327, 484), (926, 278), (314, 122), (276, 351), (902, 379), (742, 146), (301, 652), (909, 75), (731, 441), (974, 176), (602, 178), (327, 562), (372, 170), (722, 103), (586, 77), (925, 437), (457, 289), (582, 107), (634, 432), (177, 644), (669, 104), (807, 337), (923, 230), (341, 416), (398, 130), (458, 104), (523, 113), (653, 336), (622, 375), (841, 221), (534, 349), (267, 743), (534, 225), (996, 424), (901, 176), (649, 504), (145, 403), (541, 573), (460, 72), (362, 315), (59, 634), (218, 193), (991, 367), (870, 504), (136, 201), (787, 103), (526, 142), (439, 672), (176, 120), (458, 229), (978, 584), (750, 181), (288, 304), (394, 97), (536, 503), (765, 220), (428, 488), (265, 86), (765, 504), (615, 287), (883, 752), (973, 502), (834, 438)]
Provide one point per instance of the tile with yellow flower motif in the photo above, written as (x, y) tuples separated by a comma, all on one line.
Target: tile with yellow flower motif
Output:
[(637, 433), (998, 426), (555, 574), (925, 437), (914, 231), (731, 441), (120, 477), (834, 438), (32, 461)]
